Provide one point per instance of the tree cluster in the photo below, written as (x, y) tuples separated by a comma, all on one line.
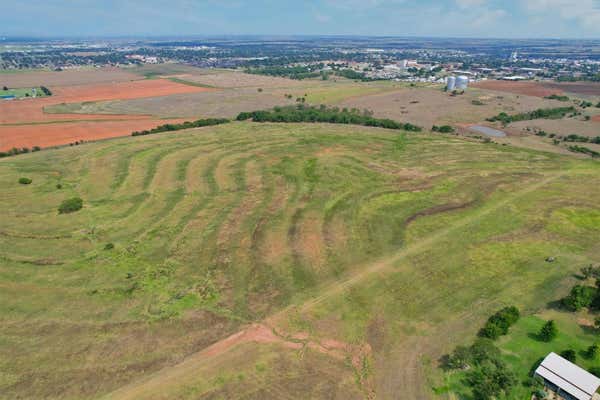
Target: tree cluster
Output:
[(46, 91), (584, 150), (442, 129), (333, 115), (540, 113), (499, 323), (14, 151), (489, 377)]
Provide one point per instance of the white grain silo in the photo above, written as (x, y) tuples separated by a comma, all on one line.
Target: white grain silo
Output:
[(462, 82), (450, 83)]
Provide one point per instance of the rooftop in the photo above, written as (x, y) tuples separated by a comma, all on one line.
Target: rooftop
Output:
[(569, 377)]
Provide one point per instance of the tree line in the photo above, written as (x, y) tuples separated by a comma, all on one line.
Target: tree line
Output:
[(540, 113), (185, 125), (332, 115)]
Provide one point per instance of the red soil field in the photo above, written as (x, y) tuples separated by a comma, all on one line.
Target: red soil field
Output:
[(26, 124), (596, 118), (526, 88), (47, 135)]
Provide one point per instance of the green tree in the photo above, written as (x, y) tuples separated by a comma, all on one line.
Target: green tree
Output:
[(579, 297), (569, 355), (548, 332), (593, 351)]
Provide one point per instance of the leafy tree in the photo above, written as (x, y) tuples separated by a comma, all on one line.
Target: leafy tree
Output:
[(70, 205), (579, 297), (6, 88), (491, 380), (25, 181), (548, 332)]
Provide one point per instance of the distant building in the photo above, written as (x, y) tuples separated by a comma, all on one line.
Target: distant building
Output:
[(567, 380)]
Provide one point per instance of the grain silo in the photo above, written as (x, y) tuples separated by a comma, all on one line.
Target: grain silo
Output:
[(450, 83), (462, 82)]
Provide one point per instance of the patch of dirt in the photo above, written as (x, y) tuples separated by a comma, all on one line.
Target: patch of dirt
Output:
[(49, 135), (438, 210), (68, 77), (527, 88)]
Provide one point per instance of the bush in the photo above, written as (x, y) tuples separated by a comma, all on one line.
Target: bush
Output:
[(569, 355), (109, 246), (498, 324), (58, 186), (25, 181), (548, 331), (70, 205), (442, 129), (592, 352)]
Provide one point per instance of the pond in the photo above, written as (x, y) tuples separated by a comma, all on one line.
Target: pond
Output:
[(486, 130)]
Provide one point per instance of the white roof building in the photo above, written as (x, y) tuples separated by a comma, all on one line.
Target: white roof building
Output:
[(567, 379)]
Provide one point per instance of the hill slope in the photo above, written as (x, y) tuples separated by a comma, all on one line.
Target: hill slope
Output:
[(362, 253)]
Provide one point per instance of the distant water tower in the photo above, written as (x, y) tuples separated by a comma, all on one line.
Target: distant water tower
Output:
[(450, 83), (462, 82)]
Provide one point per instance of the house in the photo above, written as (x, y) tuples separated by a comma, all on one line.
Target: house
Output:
[(567, 380)]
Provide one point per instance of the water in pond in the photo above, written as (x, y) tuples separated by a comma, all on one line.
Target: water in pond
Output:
[(486, 130)]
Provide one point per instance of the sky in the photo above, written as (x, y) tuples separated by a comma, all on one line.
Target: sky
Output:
[(450, 18)]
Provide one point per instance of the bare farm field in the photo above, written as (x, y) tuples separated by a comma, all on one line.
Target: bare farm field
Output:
[(258, 261), (542, 89), (25, 123), (429, 106), (66, 78)]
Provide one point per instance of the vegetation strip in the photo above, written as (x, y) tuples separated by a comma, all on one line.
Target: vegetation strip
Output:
[(541, 113), (332, 115)]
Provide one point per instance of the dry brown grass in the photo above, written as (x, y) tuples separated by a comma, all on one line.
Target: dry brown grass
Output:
[(66, 78)]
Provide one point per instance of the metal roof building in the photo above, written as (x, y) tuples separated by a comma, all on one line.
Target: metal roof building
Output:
[(567, 379)]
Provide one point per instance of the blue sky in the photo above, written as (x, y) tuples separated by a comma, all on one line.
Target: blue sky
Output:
[(475, 18)]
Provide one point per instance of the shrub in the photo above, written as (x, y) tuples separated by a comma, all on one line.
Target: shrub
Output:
[(498, 324), (109, 246), (25, 181), (442, 129), (58, 186), (70, 205), (548, 332), (592, 352), (569, 355)]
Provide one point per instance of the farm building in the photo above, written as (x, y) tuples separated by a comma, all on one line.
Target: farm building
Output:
[(567, 380)]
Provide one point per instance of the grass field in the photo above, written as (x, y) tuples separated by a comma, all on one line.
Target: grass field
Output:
[(522, 350), (365, 253), (20, 93)]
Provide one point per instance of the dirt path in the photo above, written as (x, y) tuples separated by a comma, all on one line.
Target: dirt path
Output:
[(259, 333)]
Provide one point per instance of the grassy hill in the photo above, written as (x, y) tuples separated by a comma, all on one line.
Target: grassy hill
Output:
[(369, 253)]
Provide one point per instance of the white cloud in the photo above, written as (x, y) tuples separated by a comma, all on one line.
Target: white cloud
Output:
[(470, 3), (586, 12)]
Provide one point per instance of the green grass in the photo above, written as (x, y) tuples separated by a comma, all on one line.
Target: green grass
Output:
[(522, 350), (21, 93), (408, 242)]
